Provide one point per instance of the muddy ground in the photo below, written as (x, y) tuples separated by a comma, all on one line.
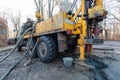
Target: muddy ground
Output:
[(38, 70), (111, 58)]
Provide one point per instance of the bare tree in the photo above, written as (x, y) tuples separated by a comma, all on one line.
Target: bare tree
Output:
[(117, 18), (16, 20), (40, 6), (50, 7), (113, 8), (13, 18), (40, 3)]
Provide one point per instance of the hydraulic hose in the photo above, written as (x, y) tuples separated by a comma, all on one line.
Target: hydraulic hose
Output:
[(5, 75), (18, 42), (33, 27), (31, 56), (15, 45)]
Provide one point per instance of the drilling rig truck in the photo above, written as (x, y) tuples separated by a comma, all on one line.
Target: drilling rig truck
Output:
[(67, 30)]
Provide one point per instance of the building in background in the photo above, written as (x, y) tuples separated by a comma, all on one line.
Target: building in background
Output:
[(3, 32)]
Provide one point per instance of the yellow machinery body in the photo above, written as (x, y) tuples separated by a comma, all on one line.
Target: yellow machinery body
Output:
[(64, 22)]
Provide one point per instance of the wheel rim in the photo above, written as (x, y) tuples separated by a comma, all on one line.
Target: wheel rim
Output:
[(43, 49)]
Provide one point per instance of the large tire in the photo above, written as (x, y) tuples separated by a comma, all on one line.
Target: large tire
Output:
[(20, 45), (31, 47), (19, 48), (47, 49)]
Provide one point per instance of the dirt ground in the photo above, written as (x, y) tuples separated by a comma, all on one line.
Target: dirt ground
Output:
[(38, 70)]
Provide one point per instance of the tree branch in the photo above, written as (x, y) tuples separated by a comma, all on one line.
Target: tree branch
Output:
[(115, 17)]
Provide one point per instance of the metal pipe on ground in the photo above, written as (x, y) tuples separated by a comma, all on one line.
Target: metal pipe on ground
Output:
[(103, 49)]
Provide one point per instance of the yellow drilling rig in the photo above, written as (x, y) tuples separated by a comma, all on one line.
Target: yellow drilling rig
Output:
[(67, 30)]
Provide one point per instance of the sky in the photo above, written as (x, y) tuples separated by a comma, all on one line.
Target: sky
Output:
[(26, 7)]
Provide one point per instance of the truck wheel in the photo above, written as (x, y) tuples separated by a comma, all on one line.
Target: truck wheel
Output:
[(31, 47), (47, 49), (19, 48)]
